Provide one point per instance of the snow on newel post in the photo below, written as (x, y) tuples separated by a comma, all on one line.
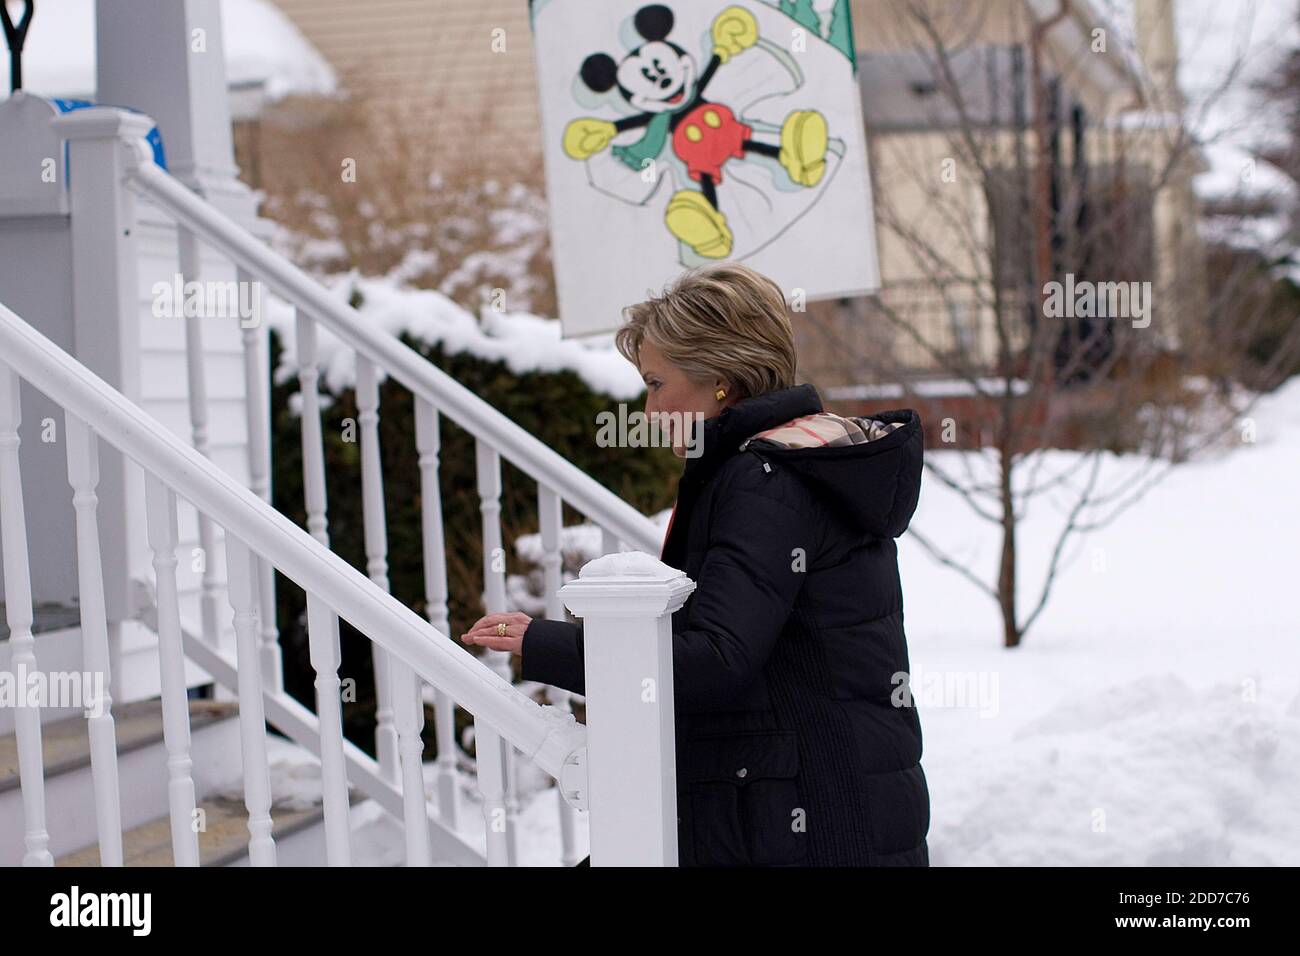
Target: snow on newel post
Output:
[(626, 602)]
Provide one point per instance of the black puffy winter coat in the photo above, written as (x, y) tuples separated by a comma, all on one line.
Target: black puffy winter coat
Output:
[(787, 656)]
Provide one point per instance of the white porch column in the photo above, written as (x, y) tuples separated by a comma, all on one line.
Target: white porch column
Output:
[(626, 601), (106, 330), (167, 58)]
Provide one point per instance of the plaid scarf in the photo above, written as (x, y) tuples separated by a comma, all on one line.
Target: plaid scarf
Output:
[(824, 429)]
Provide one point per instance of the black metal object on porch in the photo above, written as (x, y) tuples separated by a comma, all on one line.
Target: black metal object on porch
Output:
[(15, 36)]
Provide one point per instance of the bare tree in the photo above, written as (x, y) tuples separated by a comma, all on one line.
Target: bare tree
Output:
[(1029, 230)]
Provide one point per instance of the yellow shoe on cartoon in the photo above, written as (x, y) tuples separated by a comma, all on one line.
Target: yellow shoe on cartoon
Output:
[(692, 219), (803, 146)]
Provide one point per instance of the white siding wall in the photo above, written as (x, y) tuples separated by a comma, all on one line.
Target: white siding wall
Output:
[(164, 391)]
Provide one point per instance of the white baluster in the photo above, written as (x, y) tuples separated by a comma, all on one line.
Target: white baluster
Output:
[(444, 725), (322, 622), (428, 444), (488, 465), (493, 754), (488, 471), (18, 612), (160, 519), (313, 445), (408, 715), (252, 717), (83, 475), (376, 543), (189, 260), (323, 642), (550, 513), (257, 411), (609, 543)]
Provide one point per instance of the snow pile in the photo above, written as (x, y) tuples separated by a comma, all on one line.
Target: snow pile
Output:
[(377, 838), (1148, 773), (294, 773), (628, 564), (262, 46), (1152, 715), (526, 343)]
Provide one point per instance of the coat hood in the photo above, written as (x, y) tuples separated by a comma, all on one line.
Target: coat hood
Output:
[(868, 469)]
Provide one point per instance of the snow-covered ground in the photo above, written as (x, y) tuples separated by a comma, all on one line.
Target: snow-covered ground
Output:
[(377, 838), (1152, 715)]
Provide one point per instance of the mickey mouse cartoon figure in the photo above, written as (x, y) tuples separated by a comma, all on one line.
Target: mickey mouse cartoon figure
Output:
[(659, 79)]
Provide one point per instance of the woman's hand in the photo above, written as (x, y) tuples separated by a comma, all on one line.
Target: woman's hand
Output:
[(486, 632)]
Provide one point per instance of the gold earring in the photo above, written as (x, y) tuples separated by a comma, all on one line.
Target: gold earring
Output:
[(720, 394)]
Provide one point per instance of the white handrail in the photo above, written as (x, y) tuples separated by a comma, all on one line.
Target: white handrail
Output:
[(549, 738), (403, 363)]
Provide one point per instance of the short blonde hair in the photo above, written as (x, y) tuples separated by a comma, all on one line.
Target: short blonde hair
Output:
[(722, 319)]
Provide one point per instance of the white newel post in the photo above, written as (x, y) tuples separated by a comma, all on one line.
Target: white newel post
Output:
[(106, 326), (626, 601)]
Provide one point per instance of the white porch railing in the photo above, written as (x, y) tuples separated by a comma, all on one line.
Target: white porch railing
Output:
[(628, 599), (435, 394), (103, 139)]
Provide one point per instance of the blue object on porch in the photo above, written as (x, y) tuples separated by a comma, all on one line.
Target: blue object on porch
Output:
[(154, 138)]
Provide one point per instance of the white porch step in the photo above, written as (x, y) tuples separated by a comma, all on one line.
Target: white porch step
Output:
[(57, 631), (298, 833), (45, 617), (142, 771)]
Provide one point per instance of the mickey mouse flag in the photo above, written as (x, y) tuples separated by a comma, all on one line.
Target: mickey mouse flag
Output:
[(677, 134)]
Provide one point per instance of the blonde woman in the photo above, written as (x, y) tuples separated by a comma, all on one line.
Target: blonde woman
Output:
[(792, 745)]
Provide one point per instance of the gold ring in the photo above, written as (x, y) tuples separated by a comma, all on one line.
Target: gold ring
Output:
[(501, 630)]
